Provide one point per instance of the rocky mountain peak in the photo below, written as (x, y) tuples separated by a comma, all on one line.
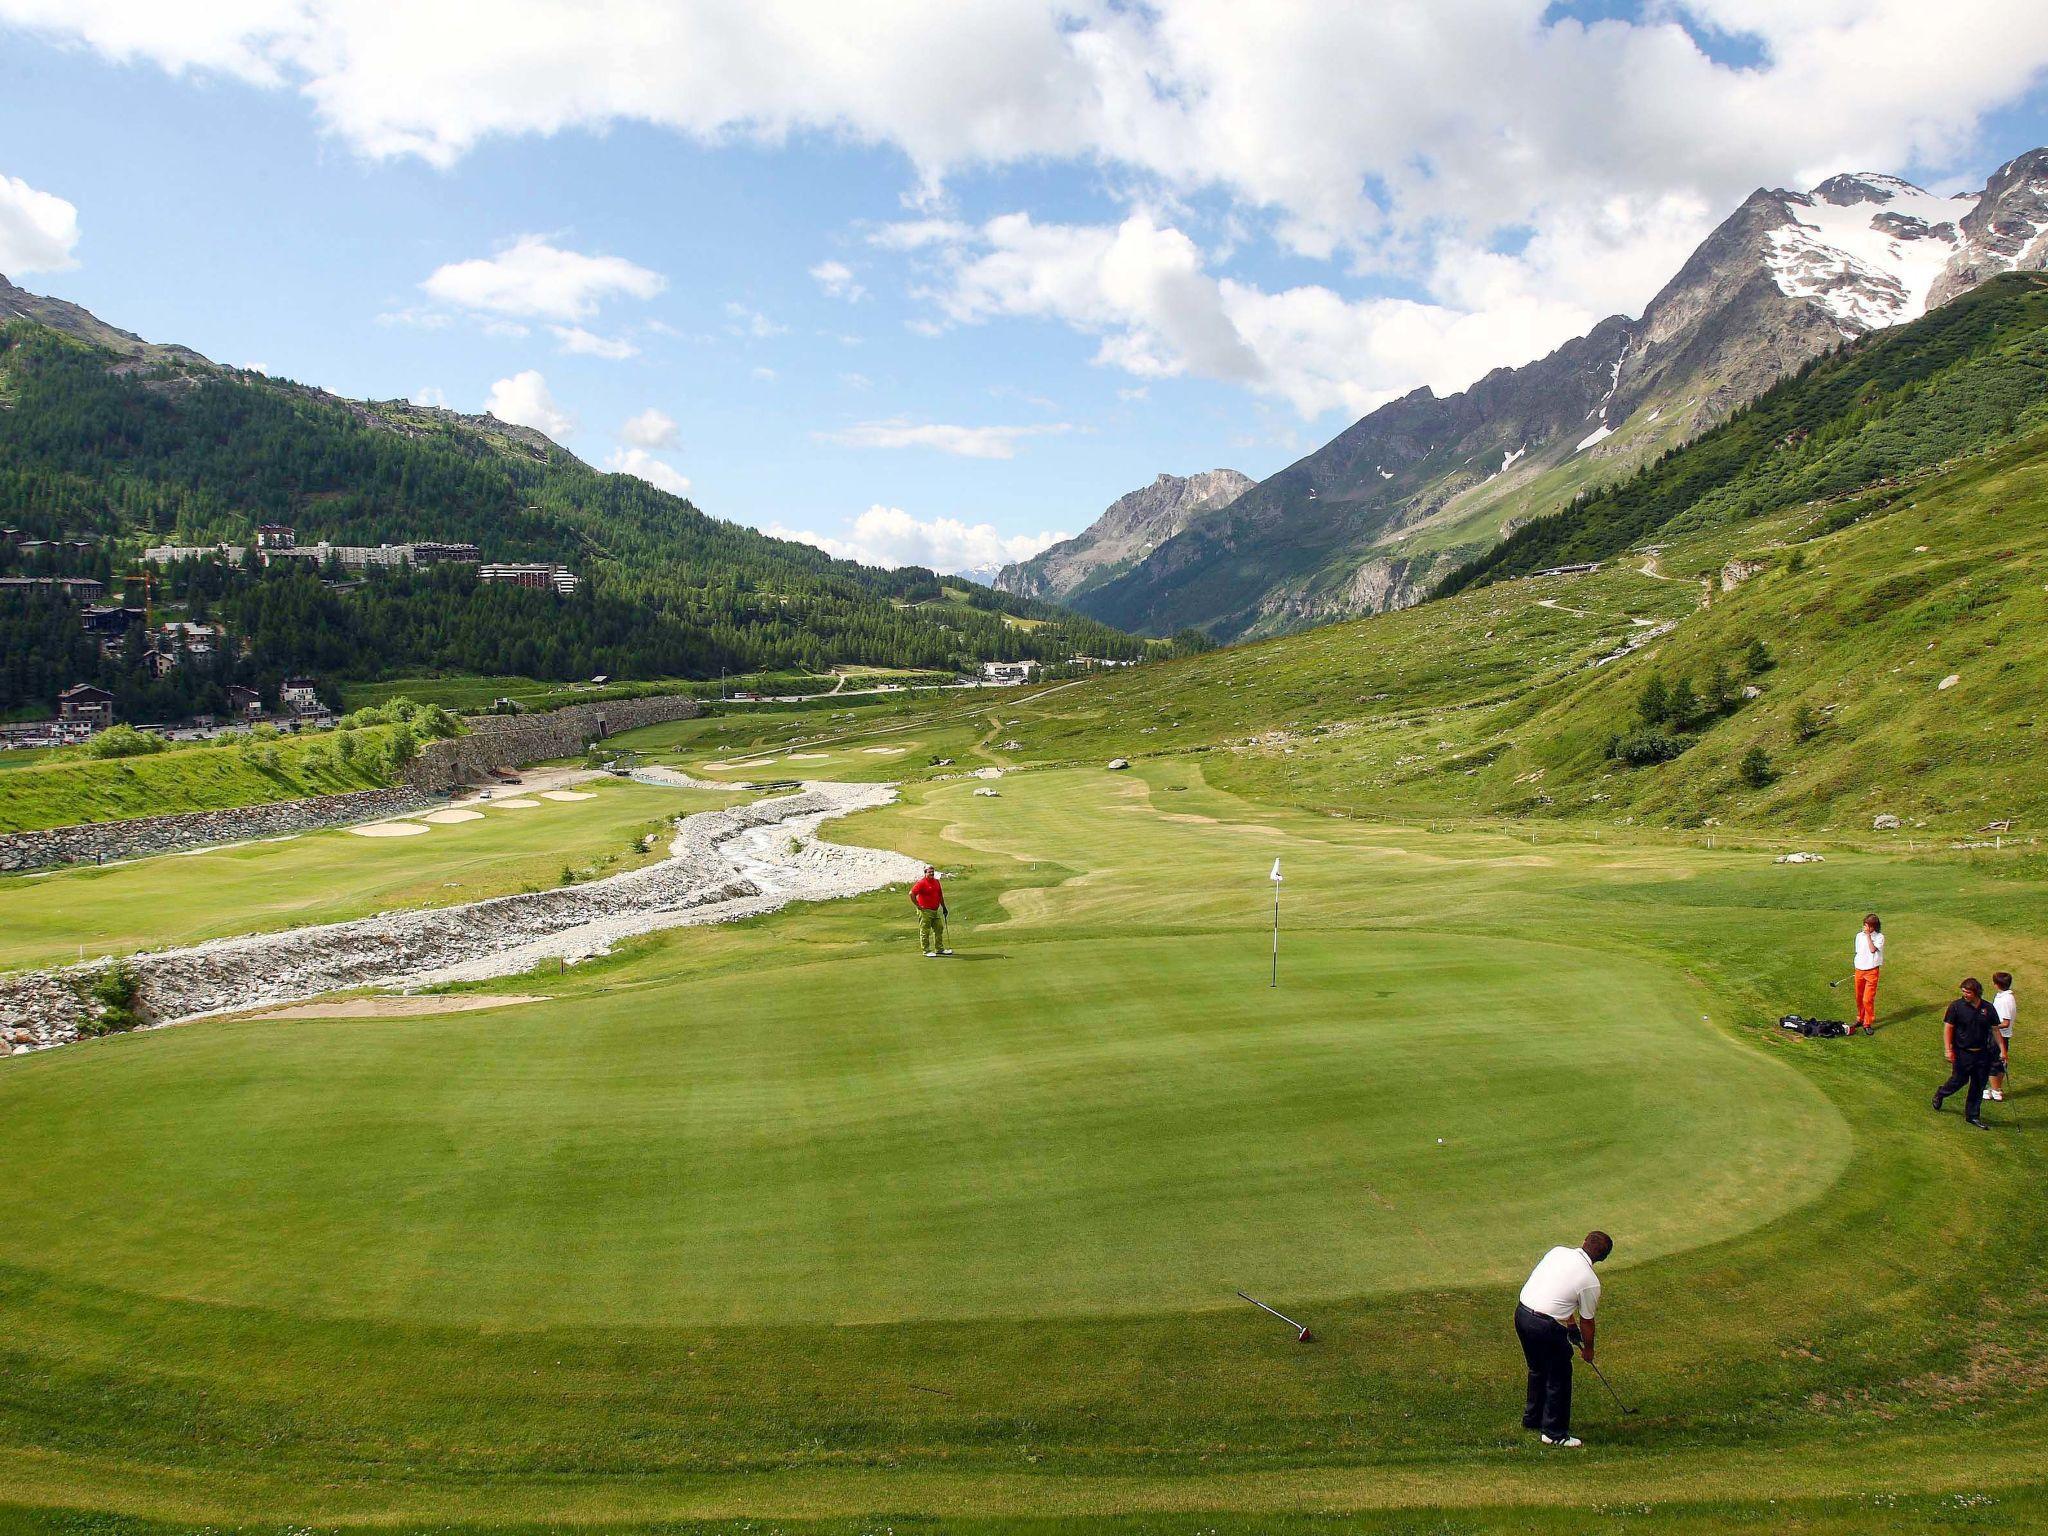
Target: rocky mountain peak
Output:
[(1132, 527)]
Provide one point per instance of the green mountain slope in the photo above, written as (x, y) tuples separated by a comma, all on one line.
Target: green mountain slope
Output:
[(107, 437), (1852, 648), (1883, 410)]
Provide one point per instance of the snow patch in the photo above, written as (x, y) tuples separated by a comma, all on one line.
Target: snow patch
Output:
[(1869, 261), (1594, 436)]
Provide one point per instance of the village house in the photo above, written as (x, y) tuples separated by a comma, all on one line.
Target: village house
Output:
[(84, 705), (300, 697), (245, 703)]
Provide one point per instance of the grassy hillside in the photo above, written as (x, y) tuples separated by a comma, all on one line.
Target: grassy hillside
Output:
[(1500, 699), (1893, 406), (62, 790), (158, 446)]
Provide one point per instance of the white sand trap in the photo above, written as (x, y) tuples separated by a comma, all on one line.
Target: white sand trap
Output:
[(565, 794), (515, 804), (808, 757), (452, 814), (395, 1007), (752, 762), (391, 829), (885, 751)]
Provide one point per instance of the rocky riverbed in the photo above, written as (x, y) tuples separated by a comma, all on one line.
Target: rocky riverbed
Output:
[(723, 865)]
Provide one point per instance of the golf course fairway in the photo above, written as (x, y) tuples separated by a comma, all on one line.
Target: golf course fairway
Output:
[(781, 1220)]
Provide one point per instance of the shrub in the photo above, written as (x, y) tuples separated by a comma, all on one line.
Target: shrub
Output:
[(1756, 768), (1641, 748), (1685, 704), (1805, 724), (118, 993), (122, 741), (1654, 703), (1758, 658)]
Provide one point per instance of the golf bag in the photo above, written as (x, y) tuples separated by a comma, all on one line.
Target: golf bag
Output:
[(1826, 1029)]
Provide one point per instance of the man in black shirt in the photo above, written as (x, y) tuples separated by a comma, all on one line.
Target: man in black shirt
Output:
[(1970, 1040)]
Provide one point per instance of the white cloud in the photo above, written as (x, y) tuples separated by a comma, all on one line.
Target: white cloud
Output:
[(1406, 140), (890, 536), (38, 230), (964, 442), (652, 428), (742, 320), (837, 279), (533, 277), (856, 381), (576, 339), (916, 234), (643, 465), (523, 400), (765, 375), (1145, 292), (430, 394)]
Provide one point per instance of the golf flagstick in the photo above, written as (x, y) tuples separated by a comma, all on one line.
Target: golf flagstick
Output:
[(1275, 878), (1301, 1333)]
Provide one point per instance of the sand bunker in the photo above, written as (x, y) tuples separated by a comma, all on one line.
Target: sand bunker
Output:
[(516, 804), (452, 814), (396, 1007), (391, 829), (808, 757), (884, 751), (565, 794)]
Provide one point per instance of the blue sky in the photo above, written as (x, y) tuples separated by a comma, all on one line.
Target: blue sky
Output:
[(935, 281)]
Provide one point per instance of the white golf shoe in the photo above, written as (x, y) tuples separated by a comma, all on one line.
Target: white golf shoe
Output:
[(1569, 1442)]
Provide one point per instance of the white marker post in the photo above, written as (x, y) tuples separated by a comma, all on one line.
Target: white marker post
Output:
[(1275, 877)]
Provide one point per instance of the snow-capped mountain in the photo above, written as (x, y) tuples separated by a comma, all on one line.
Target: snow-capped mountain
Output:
[(1866, 248), (1369, 520)]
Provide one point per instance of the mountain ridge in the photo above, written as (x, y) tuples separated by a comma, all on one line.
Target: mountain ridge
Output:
[(1368, 521), (1133, 526)]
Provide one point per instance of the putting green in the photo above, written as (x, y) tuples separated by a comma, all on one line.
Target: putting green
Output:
[(1067, 1119)]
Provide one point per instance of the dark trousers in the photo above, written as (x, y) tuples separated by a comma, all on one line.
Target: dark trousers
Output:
[(1974, 1069), (1549, 1353)]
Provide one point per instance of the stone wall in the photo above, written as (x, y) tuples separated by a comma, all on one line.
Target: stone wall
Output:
[(505, 741), (144, 835), (492, 741)]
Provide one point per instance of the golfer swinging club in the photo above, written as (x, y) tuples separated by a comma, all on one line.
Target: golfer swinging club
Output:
[(1554, 1313), (929, 897)]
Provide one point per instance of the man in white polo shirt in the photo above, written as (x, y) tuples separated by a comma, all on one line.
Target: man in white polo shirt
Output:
[(1561, 1291)]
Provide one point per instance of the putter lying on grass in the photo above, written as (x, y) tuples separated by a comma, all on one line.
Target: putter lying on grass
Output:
[(1301, 1333)]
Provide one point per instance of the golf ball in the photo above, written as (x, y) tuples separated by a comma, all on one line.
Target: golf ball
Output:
[(1439, 1141)]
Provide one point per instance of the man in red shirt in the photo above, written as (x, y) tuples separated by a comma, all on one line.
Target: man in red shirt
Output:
[(930, 900)]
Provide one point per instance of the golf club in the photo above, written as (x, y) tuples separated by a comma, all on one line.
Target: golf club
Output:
[(1301, 1333), (1838, 981), (1624, 1407)]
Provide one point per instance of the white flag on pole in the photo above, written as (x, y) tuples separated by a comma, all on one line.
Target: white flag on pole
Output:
[(1276, 871)]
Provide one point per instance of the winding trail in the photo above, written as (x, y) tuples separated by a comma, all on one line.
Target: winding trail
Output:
[(722, 866)]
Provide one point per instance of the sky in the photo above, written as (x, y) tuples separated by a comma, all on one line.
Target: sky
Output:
[(928, 282)]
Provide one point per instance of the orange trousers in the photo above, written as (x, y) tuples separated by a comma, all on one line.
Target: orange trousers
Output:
[(1866, 997)]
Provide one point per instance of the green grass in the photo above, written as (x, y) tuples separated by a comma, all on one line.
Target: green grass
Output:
[(325, 877), (61, 791), (779, 1220)]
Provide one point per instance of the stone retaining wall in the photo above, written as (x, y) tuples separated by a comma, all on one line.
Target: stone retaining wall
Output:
[(99, 840), (492, 741), (505, 741)]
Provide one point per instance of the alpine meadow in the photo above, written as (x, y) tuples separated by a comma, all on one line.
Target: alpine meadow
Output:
[(1462, 976)]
